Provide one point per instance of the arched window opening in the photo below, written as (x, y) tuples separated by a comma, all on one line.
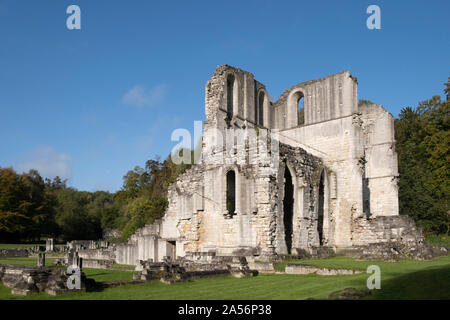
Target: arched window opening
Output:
[(230, 95), (301, 110), (320, 209), (261, 108), (295, 103), (231, 193), (288, 208)]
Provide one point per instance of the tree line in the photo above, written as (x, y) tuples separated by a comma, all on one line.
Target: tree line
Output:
[(32, 207), (423, 144)]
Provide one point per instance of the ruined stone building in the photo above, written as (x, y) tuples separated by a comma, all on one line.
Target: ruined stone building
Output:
[(333, 182)]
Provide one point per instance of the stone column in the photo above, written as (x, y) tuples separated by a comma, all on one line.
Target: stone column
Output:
[(41, 260), (75, 258), (49, 245)]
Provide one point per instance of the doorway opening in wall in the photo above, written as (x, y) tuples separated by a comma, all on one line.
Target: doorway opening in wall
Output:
[(231, 193), (172, 249), (288, 207), (320, 208)]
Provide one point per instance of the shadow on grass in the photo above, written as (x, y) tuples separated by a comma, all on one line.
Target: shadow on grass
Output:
[(429, 284)]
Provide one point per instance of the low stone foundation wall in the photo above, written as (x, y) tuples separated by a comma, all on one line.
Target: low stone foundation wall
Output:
[(262, 266), (25, 280), (393, 251), (314, 252), (305, 269), (169, 273), (388, 238), (96, 254), (385, 229), (98, 264), (15, 253), (82, 244), (182, 269)]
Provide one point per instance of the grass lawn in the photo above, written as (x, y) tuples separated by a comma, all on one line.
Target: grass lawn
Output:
[(19, 245), (406, 279), (97, 274), (101, 275), (128, 267), (26, 261), (24, 245)]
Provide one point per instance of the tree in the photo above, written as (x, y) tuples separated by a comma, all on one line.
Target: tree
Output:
[(423, 144), (74, 217), (26, 208), (143, 197)]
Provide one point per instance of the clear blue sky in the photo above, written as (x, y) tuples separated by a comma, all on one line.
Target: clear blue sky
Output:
[(91, 104)]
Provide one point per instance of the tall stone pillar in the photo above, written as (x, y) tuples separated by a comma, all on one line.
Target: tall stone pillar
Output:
[(49, 245), (41, 260)]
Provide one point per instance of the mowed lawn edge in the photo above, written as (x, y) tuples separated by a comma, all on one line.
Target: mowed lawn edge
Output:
[(405, 279)]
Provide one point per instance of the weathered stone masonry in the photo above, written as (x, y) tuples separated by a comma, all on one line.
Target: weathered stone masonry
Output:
[(333, 182)]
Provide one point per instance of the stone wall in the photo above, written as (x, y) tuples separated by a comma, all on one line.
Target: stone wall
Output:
[(98, 263), (197, 219), (380, 162), (325, 99), (385, 229), (245, 95), (305, 170), (82, 244), (342, 163), (14, 253), (99, 254), (24, 280), (144, 244), (307, 269)]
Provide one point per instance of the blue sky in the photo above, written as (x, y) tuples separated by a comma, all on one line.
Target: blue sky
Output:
[(91, 104)]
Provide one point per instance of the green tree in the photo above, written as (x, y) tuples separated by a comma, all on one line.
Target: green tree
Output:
[(423, 144), (73, 216), (143, 197), (26, 206)]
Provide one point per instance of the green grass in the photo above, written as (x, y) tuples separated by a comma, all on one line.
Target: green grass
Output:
[(405, 279), (334, 263), (26, 261), (101, 275), (438, 240), (19, 245), (129, 267), (24, 245)]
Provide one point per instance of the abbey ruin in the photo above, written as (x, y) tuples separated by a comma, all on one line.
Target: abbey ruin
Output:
[(309, 175), (330, 182)]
